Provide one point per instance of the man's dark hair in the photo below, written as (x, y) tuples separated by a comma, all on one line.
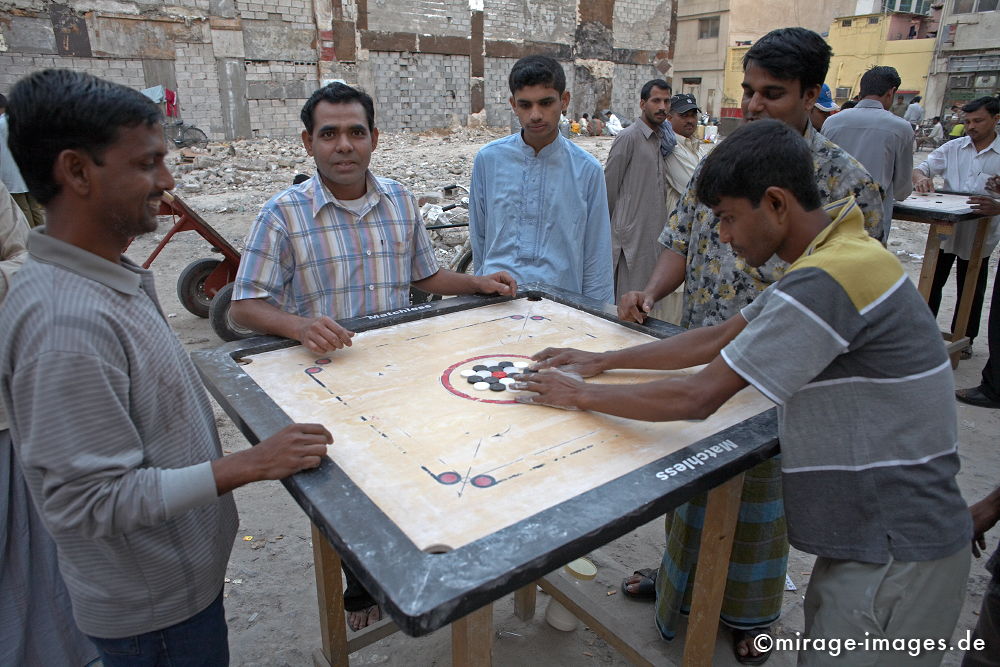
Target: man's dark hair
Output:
[(3, 101), (849, 104), (647, 89), (791, 53), (337, 93), (537, 71), (757, 156), (916, 98), (878, 80), (57, 109), (991, 103)]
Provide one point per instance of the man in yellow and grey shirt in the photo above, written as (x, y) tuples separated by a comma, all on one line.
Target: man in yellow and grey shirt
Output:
[(849, 352)]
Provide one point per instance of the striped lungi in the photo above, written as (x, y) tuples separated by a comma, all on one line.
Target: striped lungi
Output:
[(756, 581)]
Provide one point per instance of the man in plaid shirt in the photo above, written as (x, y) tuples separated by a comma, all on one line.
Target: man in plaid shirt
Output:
[(343, 243)]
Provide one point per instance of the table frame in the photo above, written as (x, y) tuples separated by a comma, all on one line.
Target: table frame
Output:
[(418, 590), (943, 224)]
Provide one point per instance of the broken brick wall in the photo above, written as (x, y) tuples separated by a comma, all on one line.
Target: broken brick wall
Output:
[(243, 68)]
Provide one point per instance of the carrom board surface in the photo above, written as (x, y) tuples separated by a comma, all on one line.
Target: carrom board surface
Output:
[(937, 202), (448, 463)]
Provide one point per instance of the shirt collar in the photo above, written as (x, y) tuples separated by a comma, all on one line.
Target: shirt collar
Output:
[(321, 195), (125, 277), (545, 152), (845, 218), (644, 128), (869, 104), (994, 145)]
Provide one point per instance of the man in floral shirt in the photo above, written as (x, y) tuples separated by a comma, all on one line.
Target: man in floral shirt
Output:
[(783, 75)]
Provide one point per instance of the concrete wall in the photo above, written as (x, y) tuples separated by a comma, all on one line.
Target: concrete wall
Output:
[(245, 67), (966, 35), (420, 91)]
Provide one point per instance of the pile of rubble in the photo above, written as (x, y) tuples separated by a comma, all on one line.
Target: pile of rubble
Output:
[(423, 162), (427, 163)]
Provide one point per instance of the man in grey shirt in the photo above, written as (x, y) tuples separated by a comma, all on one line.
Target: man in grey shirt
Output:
[(877, 138), (108, 417), (914, 113)]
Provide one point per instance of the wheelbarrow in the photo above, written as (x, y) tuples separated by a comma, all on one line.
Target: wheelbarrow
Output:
[(205, 286)]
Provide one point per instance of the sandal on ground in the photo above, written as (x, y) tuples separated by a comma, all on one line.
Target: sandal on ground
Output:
[(646, 585), (748, 636)]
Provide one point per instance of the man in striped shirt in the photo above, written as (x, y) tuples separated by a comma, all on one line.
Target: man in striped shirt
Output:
[(109, 419), (850, 353), (343, 243)]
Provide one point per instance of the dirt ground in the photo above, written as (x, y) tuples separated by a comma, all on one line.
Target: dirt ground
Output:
[(270, 595)]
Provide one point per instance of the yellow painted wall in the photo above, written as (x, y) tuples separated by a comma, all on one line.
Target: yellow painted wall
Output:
[(859, 47), (855, 49)]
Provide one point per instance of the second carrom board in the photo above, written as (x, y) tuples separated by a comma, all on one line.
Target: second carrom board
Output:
[(449, 463)]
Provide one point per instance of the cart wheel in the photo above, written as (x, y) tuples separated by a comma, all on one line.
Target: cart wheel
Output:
[(218, 315), (192, 136), (464, 262), (191, 286)]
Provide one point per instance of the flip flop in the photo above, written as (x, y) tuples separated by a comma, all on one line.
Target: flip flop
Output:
[(748, 636), (647, 585)]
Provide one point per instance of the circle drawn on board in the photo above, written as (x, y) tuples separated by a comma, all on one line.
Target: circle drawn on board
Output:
[(483, 481), (324, 361), (449, 477), (312, 370), (517, 317), (456, 384)]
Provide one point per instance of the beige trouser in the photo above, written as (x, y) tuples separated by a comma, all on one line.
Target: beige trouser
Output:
[(900, 604)]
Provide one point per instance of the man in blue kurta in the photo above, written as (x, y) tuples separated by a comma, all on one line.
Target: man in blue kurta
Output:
[(539, 205)]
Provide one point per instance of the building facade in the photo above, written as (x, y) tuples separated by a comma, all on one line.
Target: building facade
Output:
[(708, 29), (966, 64), (243, 68)]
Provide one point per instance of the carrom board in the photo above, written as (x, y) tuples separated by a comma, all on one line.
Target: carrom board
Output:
[(442, 498), (449, 463), (946, 206)]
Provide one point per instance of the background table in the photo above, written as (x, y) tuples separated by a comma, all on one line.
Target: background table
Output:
[(942, 211), (422, 591)]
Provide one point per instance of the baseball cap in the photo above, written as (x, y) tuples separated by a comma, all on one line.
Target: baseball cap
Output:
[(825, 100), (682, 103)]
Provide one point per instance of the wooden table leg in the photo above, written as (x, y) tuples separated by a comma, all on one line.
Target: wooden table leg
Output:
[(929, 264), (524, 602), (964, 308), (713, 568), (330, 594), (472, 639)]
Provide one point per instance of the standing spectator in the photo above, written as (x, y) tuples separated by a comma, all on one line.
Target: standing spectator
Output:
[(823, 108), (965, 164), (987, 394), (37, 627), (637, 190), (538, 204), (127, 472), (914, 113), (878, 139), (10, 175)]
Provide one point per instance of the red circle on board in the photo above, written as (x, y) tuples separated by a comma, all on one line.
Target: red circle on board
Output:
[(446, 377)]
